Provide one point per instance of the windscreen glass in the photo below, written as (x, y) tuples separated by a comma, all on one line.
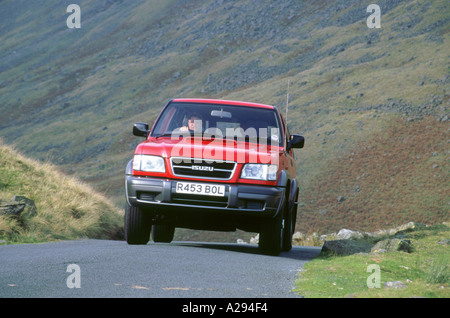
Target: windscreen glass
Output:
[(251, 124)]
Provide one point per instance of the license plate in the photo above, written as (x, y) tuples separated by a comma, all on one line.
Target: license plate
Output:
[(200, 189)]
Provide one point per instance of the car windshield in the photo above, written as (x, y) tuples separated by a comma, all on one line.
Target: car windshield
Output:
[(259, 125)]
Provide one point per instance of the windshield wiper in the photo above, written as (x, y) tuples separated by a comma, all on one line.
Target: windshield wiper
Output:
[(163, 135), (178, 134)]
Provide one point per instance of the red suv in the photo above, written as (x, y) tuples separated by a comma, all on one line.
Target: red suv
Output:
[(213, 165)]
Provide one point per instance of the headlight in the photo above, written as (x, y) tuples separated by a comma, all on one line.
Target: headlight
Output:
[(148, 163), (259, 171)]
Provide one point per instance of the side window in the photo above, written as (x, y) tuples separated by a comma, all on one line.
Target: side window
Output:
[(287, 135)]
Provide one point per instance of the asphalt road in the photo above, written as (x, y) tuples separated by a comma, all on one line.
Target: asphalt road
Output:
[(108, 269)]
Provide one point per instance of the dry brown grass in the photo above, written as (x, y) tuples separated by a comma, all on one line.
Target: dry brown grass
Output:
[(399, 175), (66, 208)]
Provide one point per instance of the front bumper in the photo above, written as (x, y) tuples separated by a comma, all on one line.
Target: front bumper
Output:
[(239, 200)]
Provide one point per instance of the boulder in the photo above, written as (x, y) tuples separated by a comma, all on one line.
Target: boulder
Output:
[(395, 285), (346, 234), (241, 241), (254, 239), (392, 245), (444, 242), (298, 238), (18, 205), (405, 228), (346, 247), (11, 208)]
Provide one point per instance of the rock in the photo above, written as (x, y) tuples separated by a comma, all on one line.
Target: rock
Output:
[(400, 229), (347, 234), (444, 242), (255, 239), (346, 247), (18, 205), (11, 208), (395, 285), (298, 236), (392, 245), (241, 241), (30, 206), (408, 227), (177, 75)]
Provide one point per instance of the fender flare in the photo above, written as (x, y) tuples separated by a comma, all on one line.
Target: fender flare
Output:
[(293, 186), (293, 193)]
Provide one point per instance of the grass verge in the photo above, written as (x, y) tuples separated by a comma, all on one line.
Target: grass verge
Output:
[(423, 273), (66, 208)]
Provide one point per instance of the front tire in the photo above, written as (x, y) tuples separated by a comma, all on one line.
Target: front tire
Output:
[(271, 235), (137, 225)]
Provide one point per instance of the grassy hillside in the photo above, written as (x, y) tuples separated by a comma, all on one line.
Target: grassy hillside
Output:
[(70, 96), (66, 208), (398, 175)]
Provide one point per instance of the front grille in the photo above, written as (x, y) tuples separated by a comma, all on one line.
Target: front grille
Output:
[(200, 168)]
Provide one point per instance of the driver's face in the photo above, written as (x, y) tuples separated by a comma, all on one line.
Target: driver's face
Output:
[(191, 122)]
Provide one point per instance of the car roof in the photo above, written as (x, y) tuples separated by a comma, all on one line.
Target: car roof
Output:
[(221, 102)]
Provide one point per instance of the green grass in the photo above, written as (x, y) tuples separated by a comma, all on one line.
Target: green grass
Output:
[(425, 271)]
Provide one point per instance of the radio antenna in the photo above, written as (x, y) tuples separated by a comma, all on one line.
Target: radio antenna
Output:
[(287, 100)]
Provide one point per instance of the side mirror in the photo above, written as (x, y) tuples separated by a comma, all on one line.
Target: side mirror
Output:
[(296, 141), (141, 130)]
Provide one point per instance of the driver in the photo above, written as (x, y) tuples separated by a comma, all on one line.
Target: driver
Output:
[(194, 123)]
